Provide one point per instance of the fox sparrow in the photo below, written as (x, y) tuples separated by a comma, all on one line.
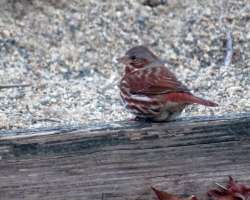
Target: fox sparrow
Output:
[(150, 90)]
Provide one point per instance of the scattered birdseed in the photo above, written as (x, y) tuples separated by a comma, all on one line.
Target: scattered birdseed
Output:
[(66, 51)]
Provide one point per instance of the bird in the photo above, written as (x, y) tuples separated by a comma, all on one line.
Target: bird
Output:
[(150, 90)]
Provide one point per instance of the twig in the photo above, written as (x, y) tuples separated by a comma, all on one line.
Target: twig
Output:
[(229, 49), (14, 86), (46, 120), (221, 186)]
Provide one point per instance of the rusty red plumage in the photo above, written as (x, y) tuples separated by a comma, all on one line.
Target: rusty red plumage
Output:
[(150, 90)]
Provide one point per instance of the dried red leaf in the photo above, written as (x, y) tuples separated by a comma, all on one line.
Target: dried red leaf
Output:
[(232, 191), (168, 196), (164, 195)]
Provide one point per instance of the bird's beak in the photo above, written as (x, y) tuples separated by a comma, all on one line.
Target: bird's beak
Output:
[(124, 60)]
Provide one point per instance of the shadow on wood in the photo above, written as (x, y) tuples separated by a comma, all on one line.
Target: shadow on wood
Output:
[(121, 160)]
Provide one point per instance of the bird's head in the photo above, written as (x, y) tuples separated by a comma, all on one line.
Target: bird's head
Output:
[(138, 57)]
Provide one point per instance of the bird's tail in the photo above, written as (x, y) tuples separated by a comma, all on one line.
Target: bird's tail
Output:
[(189, 98), (201, 101)]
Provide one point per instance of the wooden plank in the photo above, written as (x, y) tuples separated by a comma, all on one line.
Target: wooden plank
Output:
[(122, 160)]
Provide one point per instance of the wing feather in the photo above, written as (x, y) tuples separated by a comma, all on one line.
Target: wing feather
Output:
[(154, 80)]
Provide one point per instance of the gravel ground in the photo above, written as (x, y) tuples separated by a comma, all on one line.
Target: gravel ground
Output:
[(66, 51)]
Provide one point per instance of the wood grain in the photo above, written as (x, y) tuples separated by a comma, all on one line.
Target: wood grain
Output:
[(121, 160)]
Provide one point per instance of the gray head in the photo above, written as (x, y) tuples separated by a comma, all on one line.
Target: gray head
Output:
[(138, 57)]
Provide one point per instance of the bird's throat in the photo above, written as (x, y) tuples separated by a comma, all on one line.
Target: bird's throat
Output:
[(129, 69)]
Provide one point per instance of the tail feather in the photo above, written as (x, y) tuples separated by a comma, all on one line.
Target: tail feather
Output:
[(204, 102), (189, 98)]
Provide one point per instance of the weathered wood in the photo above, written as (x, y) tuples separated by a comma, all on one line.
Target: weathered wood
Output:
[(123, 159)]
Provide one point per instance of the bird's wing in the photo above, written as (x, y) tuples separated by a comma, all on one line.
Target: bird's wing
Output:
[(154, 81)]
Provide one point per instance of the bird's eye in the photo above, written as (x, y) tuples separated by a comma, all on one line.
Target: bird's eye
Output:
[(133, 57)]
